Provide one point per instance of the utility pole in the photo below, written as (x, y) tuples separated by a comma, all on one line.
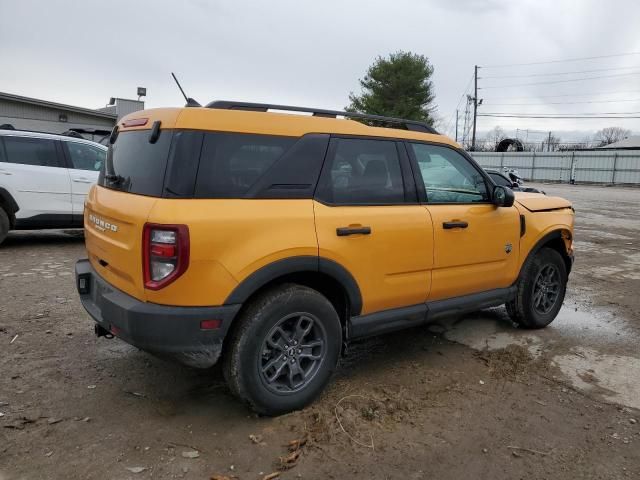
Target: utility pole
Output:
[(475, 107), (549, 143), (456, 124)]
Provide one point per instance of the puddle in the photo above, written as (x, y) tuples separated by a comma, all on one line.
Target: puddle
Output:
[(588, 369), (587, 341)]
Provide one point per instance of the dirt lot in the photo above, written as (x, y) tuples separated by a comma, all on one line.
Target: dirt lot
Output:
[(472, 397)]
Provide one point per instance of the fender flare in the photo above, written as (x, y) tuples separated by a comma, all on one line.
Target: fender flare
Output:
[(7, 199), (302, 264), (552, 235)]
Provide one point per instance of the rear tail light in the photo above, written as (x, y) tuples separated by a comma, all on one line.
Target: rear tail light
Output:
[(165, 254)]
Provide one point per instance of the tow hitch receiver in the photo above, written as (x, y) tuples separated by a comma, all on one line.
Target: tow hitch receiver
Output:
[(102, 332)]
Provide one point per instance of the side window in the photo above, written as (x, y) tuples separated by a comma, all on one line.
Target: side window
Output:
[(499, 179), (362, 172), (230, 164), (448, 177), (31, 151), (86, 157)]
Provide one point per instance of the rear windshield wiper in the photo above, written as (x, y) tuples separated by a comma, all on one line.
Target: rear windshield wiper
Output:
[(114, 178)]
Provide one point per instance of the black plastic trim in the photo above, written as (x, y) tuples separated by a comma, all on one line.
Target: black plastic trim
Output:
[(388, 321), (45, 220), (160, 329), (470, 303), (523, 225), (302, 264), (555, 234), (399, 318)]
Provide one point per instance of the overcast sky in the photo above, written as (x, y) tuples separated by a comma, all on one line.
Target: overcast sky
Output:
[(313, 52)]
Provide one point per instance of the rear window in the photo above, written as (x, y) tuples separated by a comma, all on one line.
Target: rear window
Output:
[(191, 164), (231, 163), (31, 151), (134, 165)]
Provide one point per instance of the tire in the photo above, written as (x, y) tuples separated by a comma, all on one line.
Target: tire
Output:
[(4, 225), (540, 290), (270, 362)]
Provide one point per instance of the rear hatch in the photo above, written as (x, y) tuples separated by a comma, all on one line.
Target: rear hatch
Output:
[(117, 208)]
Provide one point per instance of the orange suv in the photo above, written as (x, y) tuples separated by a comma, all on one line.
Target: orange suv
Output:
[(269, 240)]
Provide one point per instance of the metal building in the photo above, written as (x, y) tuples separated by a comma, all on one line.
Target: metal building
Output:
[(24, 113)]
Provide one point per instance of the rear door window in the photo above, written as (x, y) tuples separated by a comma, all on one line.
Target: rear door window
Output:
[(134, 165), (31, 151), (231, 163), (362, 172), (85, 157)]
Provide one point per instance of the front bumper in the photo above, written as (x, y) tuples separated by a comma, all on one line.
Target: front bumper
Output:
[(159, 329)]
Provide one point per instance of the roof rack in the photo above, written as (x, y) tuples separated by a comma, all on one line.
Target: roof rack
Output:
[(413, 125)]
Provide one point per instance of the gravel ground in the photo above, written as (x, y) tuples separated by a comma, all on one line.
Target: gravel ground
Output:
[(470, 397)]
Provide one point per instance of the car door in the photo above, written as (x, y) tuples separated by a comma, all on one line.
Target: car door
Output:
[(85, 161), (368, 220), (475, 242), (39, 181)]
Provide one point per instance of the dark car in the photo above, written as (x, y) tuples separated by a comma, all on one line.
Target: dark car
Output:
[(500, 178)]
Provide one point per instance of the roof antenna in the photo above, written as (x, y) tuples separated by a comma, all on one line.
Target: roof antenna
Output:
[(190, 101)]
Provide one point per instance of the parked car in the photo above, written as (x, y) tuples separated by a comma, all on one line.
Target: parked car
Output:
[(44, 179), (269, 240), (500, 178)]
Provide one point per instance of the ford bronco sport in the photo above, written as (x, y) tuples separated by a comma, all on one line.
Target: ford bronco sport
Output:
[(269, 240)]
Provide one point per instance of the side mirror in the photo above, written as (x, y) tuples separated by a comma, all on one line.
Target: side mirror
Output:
[(515, 185), (503, 196)]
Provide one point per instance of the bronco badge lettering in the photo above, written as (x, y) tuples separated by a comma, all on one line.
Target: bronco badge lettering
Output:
[(101, 225)]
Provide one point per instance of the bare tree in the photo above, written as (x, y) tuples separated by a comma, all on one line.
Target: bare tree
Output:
[(553, 143), (493, 138), (610, 135)]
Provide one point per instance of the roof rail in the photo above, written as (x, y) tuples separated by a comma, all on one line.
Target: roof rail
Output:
[(319, 112)]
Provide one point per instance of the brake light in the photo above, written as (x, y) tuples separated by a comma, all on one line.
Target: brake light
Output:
[(165, 254), (135, 122)]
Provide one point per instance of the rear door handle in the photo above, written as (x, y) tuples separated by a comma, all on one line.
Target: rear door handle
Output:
[(344, 231), (457, 224), (82, 180), (4, 172)]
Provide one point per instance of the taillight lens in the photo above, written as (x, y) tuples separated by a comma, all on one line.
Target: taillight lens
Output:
[(165, 254)]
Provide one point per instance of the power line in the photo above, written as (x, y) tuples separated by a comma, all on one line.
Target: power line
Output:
[(559, 103), (560, 81), (559, 73), (570, 95), (585, 113), (579, 59), (576, 117)]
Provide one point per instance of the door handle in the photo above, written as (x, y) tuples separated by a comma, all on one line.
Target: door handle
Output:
[(82, 180), (456, 224), (344, 231), (4, 172)]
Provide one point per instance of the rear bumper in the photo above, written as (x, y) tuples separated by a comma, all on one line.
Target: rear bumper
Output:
[(159, 329)]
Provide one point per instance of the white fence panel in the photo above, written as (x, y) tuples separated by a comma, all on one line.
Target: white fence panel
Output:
[(620, 167)]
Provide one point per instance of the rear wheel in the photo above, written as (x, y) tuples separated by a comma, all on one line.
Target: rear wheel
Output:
[(283, 349), (4, 224), (540, 290)]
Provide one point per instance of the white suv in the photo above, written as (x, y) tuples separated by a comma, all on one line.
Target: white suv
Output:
[(44, 179)]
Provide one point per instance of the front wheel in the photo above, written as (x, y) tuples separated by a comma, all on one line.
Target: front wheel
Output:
[(540, 290), (283, 350)]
